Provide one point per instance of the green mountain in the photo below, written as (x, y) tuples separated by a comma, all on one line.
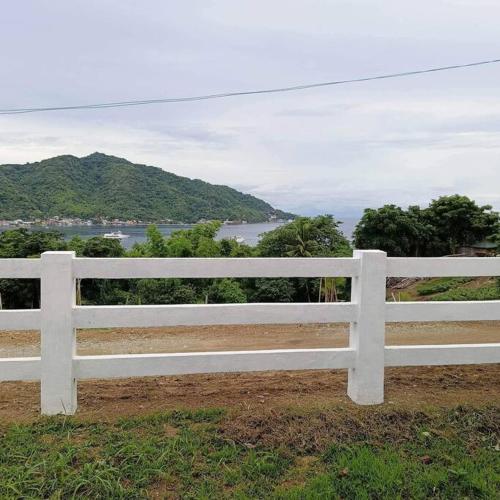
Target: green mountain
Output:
[(102, 186)]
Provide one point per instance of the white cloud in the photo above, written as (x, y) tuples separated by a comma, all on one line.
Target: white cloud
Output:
[(334, 149)]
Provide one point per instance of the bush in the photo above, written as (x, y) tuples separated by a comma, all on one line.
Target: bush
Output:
[(164, 291), (491, 292), (440, 285), (273, 290), (226, 291)]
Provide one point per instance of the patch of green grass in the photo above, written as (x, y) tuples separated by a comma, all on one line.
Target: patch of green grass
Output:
[(489, 292), (364, 472), (439, 285), (199, 454)]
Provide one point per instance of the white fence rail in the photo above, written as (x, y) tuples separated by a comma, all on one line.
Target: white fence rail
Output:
[(58, 368)]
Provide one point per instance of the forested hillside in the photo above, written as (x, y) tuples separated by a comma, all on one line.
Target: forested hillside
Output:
[(102, 186)]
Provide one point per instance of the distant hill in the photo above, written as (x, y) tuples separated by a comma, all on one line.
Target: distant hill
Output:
[(102, 186)]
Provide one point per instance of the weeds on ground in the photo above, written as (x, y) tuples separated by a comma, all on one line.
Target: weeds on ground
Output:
[(439, 285), (373, 453)]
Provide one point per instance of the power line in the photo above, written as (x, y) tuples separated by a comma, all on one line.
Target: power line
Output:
[(118, 104)]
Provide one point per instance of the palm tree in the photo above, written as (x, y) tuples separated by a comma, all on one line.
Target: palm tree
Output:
[(303, 244)]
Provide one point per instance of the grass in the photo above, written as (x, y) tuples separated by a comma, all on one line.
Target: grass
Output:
[(333, 453), (439, 285), (452, 289), (489, 292)]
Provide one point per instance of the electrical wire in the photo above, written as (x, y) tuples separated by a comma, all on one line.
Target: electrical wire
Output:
[(223, 95)]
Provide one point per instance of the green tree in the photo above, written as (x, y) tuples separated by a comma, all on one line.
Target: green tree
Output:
[(459, 221), (440, 229), (102, 247), (391, 229), (155, 242), (22, 243), (195, 242), (164, 291), (229, 247), (226, 291), (273, 290), (179, 245), (303, 243), (305, 237), (95, 291), (207, 247), (77, 245)]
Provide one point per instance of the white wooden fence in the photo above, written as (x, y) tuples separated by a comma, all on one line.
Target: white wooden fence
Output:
[(59, 367)]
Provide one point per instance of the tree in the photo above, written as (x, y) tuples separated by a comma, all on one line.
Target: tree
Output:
[(304, 244), (231, 248), (77, 245), (196, 242), (164, 291), (21, 243), (440, 229), (98, 291), (179, 245), (459, 221), (305, 237), (390, 229), (102, 247), (207, 247), (226, 291), (155, 242), (273, 290)]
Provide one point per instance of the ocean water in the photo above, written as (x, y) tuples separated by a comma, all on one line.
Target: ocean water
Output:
[(137, 234)]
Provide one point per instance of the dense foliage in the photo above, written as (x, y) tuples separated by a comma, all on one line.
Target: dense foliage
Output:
[(440, 229), (304, 237), (102, 186)]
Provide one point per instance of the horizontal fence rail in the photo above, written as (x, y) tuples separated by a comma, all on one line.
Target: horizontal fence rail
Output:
[(404, 312), (458, 354), (215, 268), (212, 362), (20, 319), (20, 268), (212, 314), (442, 267), (58, 368), (12, 369)]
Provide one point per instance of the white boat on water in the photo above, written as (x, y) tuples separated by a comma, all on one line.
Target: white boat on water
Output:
[(118, 235), (239, 239)]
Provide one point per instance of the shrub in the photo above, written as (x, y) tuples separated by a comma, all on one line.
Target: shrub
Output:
[(440, 285), (491, 292)]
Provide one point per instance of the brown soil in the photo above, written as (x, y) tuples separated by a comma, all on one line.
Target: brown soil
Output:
[(313, 431), (407, 387), (248, 337)]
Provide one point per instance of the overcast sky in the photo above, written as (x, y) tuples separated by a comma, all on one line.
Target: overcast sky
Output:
[(335, 149)]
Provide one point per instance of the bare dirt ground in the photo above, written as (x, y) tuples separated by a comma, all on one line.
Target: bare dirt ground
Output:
[(248, 337), (408, 387)]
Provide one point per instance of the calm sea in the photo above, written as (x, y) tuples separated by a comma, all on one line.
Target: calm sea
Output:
[(137, 234)]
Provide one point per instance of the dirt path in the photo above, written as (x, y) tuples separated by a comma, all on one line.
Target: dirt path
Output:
[(109, 399), (249, 337), (405, 387)]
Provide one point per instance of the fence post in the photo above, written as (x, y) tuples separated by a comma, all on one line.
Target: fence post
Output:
[(367, 335), (58, 341)]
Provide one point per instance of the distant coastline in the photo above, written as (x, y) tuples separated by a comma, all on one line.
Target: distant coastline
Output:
[(137, 231)]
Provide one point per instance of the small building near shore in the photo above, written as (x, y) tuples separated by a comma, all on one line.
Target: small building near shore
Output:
[(479, 249)]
